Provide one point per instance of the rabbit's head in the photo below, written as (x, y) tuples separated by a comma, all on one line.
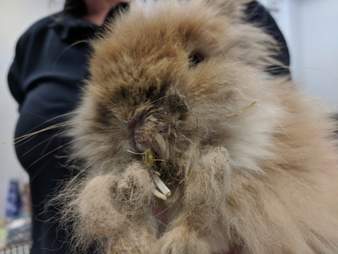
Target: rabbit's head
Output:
[(167, 75)]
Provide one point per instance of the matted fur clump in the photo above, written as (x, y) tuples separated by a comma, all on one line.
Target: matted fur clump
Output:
[(178, 92)]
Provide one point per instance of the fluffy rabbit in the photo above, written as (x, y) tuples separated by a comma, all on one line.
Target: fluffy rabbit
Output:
[(180, 116)]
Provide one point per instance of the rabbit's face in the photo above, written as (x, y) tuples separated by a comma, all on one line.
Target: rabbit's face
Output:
[(164, 76)]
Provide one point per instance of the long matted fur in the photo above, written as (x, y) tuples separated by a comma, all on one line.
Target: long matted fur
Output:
[(250, 161)]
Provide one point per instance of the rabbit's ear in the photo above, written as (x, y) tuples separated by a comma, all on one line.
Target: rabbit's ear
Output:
[(230, 8)]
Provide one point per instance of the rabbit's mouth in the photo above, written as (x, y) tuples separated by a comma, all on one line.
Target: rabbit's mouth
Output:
[(151, 144), (143, 140), (146, 132)]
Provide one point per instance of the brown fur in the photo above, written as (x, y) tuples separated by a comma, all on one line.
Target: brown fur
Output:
[(250, 160)]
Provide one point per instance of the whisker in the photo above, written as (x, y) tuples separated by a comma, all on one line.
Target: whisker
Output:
[(242, 110), (29, 135), (58, 134), (133, 152), (40, 143), (36, 174), (26, 136), (46, 154), (54, 118), (57, 117)]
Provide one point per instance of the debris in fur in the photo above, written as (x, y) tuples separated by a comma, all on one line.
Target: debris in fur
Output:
[(243, 110), (149, 158)]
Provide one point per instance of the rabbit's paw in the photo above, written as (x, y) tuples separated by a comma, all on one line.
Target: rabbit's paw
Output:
[(96, 215), (133, 190), (182, 241)]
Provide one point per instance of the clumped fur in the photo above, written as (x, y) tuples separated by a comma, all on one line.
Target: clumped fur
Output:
[(250, 161)]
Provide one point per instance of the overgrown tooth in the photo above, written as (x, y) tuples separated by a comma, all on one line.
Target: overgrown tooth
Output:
[(162, 145), (161, 186), (159, 195)]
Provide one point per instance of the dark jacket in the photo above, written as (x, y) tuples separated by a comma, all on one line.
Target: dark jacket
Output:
[(46, 78)]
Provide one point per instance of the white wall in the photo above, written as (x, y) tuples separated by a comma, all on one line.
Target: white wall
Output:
[(316, 36), (311, 29), (15, 17)]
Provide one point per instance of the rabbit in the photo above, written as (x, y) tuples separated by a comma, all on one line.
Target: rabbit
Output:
[(180, 116)]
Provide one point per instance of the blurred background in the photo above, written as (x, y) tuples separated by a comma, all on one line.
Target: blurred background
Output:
[(310, 28), (15, 17)]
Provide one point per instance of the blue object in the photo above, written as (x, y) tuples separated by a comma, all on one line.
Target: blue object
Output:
[(13, 201)]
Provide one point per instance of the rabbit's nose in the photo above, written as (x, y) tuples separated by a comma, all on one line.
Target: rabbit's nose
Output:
[(135, 121), (132, 123)]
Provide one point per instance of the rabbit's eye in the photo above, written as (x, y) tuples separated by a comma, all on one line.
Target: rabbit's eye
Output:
[(196, 58)]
